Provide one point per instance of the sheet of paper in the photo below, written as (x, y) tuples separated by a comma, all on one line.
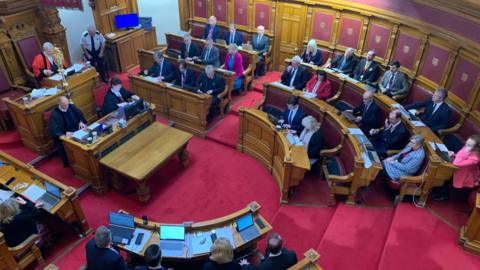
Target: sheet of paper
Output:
[(442, 147), (151, 79), (37, 93), (56, 77), (355, 131), (412, 111), (93, 126), (5, 195), (34, 192), (226, 232), (51, 91), (418, 123), (367, 162), (433, 145), (309, 95), (201, 243), (138, 248)]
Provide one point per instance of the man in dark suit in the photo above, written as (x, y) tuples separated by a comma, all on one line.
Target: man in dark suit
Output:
[(367, 113), (210, 54), (153, 258), (393, 136), (101, 255), (161, 69), (212, 84), (393, 82), (189, 49), (295, 75), (115, 97), (367, 69), (233, 36), (185, 77), (292, 117), (64, 120), (434, 112), (260, 44), (211, 29), (276, 256), (344, 63)]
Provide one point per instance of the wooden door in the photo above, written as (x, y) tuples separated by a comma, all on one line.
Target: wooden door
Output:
[(289, 32)]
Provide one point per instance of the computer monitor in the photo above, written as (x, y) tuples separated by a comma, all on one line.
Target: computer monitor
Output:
[(126, 20), (121, 219), (133, 109), (244, 222), (172, 232), (52, 189)]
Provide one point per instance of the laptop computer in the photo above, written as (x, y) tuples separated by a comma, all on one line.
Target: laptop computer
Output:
[(51, 197), (172, 240), (246, 228), (122, 227)]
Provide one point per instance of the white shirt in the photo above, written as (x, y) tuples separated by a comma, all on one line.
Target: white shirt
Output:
[(293, 77), (86, 40), (436, 107)]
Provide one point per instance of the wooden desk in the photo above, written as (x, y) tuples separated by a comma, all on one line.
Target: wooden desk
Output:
[(29, 119), (470, 233), (187, 110), (121, 50), (259, 138), (145, 153), (205, 227), (307, 263), (85, 158), (68, 208)]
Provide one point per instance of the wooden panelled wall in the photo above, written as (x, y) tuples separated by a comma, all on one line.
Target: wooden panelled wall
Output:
[(104, 12), (432, 57)]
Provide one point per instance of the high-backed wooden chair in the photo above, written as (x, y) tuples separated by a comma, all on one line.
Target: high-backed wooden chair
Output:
[(21, 256), (7, 90), (455, 137), (27, 46)]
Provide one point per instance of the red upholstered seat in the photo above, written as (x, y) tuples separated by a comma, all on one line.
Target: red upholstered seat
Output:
[(332, 135), (29, 48), (47, 114), (174, 43), (347, 156), (197, 30), (246, 60), (351, 96), (418, 93), (326, 53), (276, 99)]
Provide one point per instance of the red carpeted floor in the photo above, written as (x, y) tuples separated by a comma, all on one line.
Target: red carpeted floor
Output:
[(221, 180)]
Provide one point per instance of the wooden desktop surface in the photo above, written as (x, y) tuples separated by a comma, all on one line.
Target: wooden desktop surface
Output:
[(143, 154)]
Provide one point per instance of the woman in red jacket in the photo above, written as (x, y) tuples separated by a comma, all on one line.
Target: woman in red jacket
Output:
[(234, 62), (319, 86)]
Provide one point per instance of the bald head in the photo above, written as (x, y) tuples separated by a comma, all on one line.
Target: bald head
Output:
[(275, 244), (63, 103), (91, 30), (368, 97), (261, 30)]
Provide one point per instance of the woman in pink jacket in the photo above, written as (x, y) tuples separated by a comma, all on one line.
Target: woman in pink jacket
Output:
[(467, 160), (234, 62)]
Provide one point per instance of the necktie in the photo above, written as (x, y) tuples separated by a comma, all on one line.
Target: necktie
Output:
[(403, 155), (258, 39), (294, 72), (343, 63), (365, 110), (92, 44), (390, 81), (290, 117), (435, 107), (210, 32), (232, 36), (187, 50), (161, 69), (207, 54)]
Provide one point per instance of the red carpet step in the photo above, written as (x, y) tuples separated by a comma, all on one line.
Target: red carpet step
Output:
[(354, 238), (419, 240), (251, 100), (226, 131), (9, 138), (270, 76)]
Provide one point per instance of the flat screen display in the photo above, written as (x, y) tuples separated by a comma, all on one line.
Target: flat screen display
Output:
[(172, 232), (121, 219), (126, 20), (244, 222)]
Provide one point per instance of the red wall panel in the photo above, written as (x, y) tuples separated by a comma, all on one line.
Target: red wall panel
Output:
[(406, 50), (463, 78), (262, 15), (200, 8), (349, 32), (377, 39), (434, 63), (240, 12), (220, 10), (322, 26)]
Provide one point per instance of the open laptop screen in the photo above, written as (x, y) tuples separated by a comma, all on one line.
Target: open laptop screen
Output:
[(52, 189), (121, 219), (244, 222), (172, 232)]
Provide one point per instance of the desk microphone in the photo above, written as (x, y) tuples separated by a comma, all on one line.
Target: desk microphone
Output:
[(145, 219)]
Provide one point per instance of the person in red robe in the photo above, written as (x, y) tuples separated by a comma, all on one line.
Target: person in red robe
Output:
[(44, 64)]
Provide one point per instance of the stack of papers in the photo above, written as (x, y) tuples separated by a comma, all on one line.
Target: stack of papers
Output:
[(76, 67), (151, 79), (294, 140), (418, 123), (43, 92), (56, 77), (279, 84), (309, 95), (79, 135)]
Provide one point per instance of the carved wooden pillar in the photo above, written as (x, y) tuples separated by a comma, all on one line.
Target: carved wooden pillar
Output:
[(53, 30), (7, 52)]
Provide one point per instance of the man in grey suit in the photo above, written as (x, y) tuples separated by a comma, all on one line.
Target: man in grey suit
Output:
[(407, 162), (260, 44), (210, 54), (394, 82)]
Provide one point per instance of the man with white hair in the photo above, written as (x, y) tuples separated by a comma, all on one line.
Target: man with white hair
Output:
[(260, 44), (344, 63), (212, 84), (211, 29), (367, 70), (93, 47), (44, 64), (295, 75)]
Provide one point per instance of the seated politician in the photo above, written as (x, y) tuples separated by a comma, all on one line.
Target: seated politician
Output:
[(212, 84), (116, 97), (292, 117), (319, 86), (367, 114), (367, 70), (311, 137), (18, 220), (64, 120), (210, 54), (185, 76), (276, 256), (189, 49), (393, 136), (234, 62), (233, 36), (260, 44), (295, 75), (312, 55), (393, 82), (434, 112), (212, 30), (408, 161), (153, 258), (161, 69), (44, 64), (344, 63), (221, 256), (100, 253)]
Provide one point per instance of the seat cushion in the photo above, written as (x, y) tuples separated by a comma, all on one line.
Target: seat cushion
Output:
[(13, 94), (393, 184), (335, 166)]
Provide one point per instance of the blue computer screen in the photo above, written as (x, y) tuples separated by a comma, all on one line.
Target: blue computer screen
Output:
[(121, 219), (126, 20), (172, 232), (244, 222)]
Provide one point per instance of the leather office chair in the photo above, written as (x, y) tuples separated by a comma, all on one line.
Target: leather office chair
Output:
[(8, 91)]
